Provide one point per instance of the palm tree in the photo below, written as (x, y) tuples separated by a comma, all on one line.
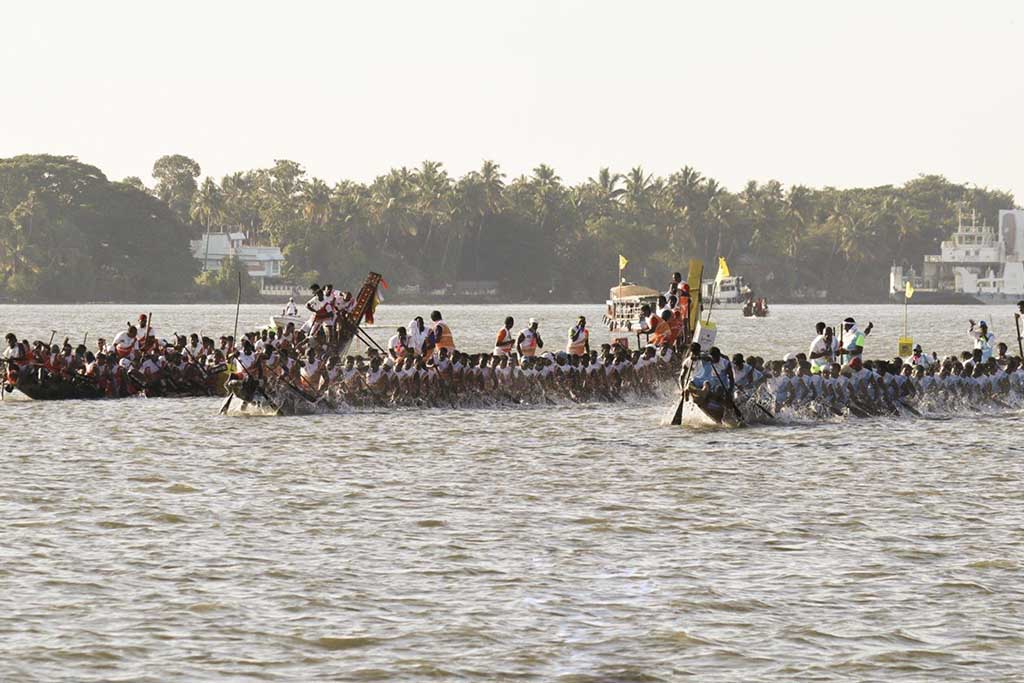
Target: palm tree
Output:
[(316, 202), (492, 185), (638, 186), (432, 203), (208, 209), (391, 196)]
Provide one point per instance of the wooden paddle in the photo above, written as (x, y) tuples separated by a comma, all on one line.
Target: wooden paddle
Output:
[(677, 415), (728, 394)]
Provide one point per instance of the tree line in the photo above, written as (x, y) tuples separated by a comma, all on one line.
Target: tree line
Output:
[(68, 233)]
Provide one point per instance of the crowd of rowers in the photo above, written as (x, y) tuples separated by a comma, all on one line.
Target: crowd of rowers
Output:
[(136, 361), (835, 378), (420, 364)]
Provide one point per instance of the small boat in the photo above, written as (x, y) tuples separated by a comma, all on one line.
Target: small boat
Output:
[(281, 321), (622, 310), (729, 293), (756, 309)]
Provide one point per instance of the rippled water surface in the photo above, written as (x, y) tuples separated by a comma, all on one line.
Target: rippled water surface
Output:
[(152, 540)]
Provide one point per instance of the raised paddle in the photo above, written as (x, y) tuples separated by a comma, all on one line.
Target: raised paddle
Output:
[(1020, 344)]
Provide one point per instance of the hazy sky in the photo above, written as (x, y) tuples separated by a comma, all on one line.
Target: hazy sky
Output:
[(821, 93)]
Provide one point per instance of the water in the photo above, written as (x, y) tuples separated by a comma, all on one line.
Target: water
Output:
[(152, 540)]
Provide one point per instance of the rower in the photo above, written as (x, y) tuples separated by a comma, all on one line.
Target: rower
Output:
[(674, 286), (919, 358), (398, 343), (984, 340), (529, 340), (145, 332), (331, 297), (319, 307), (504, 342), (822, 348), (417, 331), (290, 309), (579, 338), (125, 341), (854, 346), (662, 333), (443, 338)]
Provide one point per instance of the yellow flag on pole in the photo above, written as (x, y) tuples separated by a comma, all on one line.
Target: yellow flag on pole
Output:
[(622, 262), (723, 269), (910, 290)]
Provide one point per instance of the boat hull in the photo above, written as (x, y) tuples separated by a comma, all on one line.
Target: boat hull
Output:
[(931, 297), (55, 390), (696, 417)]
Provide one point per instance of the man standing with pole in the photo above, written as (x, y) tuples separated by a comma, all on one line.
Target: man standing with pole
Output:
[(906, 346)]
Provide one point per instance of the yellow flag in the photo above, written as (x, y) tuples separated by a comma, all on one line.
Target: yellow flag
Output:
[(723, 269), (622, 262), (910, 290)]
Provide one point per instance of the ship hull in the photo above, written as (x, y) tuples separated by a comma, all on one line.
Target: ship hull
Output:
[(951, 298)]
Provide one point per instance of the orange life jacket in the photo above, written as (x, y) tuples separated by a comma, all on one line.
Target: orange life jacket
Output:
[(662, 333), (443, 336), (577, 346), (504, 342)]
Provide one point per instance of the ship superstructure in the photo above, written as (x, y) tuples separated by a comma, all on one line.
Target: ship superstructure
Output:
[(978, 264)]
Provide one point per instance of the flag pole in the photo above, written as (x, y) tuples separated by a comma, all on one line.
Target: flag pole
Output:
[(906, 302)]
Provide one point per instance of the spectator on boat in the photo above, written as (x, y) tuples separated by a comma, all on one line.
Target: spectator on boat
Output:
[(290, 309)]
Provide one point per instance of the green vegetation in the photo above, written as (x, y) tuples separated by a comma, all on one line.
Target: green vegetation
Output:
[(67, 233)]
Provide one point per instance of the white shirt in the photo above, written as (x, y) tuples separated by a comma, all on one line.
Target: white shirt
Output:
[(395, 344), (123, 341)]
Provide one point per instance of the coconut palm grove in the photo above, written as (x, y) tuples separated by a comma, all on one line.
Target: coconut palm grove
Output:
[(69, 233)]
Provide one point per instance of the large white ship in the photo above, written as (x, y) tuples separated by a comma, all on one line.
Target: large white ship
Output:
[(978, 264)]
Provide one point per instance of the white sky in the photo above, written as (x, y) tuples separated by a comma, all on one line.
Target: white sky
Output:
[(821, 93)]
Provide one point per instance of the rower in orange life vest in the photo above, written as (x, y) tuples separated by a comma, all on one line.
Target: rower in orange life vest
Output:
[(663, 333), (529, 340), (505, 340), (649, 320), (675, 286), (579, 338), (443, 338)]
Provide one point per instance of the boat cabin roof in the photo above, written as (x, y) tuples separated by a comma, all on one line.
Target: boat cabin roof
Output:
[(628, 291)]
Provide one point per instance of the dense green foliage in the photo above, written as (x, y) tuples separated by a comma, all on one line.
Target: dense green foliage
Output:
[(69, 234), (544, 240), (538, 237)]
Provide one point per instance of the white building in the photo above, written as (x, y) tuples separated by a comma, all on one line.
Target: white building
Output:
[(264, 264)]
